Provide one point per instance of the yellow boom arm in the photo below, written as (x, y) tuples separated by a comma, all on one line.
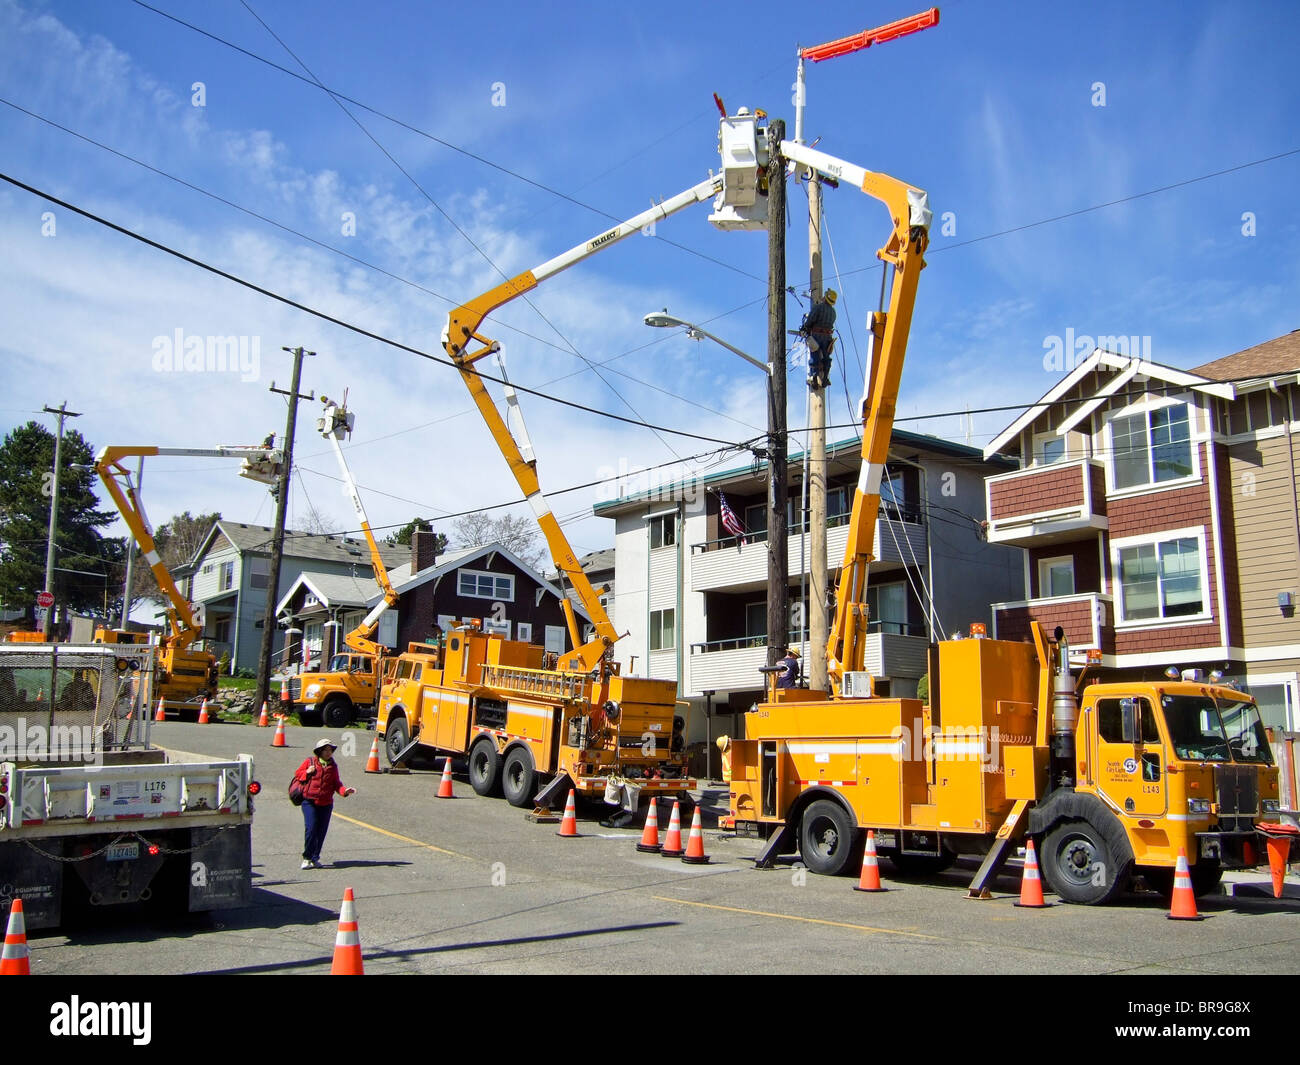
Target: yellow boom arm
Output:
[(462, 330), (335, 424), (904, 252), (260, 464)]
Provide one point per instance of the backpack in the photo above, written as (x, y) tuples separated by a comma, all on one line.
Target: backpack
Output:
[(297, 789)]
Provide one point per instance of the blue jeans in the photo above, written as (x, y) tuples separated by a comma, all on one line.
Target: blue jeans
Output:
[(316, 821)]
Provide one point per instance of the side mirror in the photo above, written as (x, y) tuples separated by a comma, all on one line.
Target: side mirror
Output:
[(1128, 714)]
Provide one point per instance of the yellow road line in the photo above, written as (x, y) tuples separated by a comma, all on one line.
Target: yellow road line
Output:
[(792, 917), (404, 839)]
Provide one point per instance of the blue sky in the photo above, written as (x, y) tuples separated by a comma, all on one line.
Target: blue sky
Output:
[(993, 112)]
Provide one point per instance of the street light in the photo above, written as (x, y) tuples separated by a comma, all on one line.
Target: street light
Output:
[(778, 487), (664, 320)]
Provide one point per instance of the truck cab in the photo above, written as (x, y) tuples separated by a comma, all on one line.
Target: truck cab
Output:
[(1179, 766), (337, 695)]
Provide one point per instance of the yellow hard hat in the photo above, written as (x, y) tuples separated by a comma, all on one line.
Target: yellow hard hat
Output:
[(723, 742), (831, 296)]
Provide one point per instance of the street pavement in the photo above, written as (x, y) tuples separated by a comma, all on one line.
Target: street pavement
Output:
[(468, 885)]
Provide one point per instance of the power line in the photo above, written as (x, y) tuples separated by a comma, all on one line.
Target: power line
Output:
[(1096, 206), (314, 83), (372, 266), (340, 322)]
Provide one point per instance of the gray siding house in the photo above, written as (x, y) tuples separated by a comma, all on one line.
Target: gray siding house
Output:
[(229, 573)]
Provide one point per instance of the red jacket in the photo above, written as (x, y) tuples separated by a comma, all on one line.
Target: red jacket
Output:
[(322, 785)]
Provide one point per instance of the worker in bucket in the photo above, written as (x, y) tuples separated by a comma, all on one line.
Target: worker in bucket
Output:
[(788, 677), (818, 329), (320, 776)]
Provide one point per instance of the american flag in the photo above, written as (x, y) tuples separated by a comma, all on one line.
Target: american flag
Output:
[(729, 520)]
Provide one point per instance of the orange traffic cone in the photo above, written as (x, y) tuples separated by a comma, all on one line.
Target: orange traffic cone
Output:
[(1279, 850), (672, 847), (695, 843), (372, 763), (347, 943), (569, 824), (278, 739), (161, 715), (15, 960), (1183, 907), (40, 695), (650, 835), (869, 880), (1031, 885), (444, 787), (264, 721), (203, 713), (284, 692)]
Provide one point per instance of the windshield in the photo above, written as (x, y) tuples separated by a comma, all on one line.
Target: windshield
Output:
[(339, 664), (1195, 728), (1245, 729)]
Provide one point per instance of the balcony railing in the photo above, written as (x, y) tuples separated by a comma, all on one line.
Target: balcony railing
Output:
[(1046, 504), (727, 563), (1087, 618), (733, 664)]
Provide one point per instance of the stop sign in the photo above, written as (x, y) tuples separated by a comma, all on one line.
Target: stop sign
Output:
[(45, 600)]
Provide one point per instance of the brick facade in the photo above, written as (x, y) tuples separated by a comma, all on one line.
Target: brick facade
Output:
[(1035, 492)]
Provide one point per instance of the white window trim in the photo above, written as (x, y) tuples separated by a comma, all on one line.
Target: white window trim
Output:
[(1044, 565), (494, 577), (1197, 532), (1290, 681), (650, 521), (1196, 436), (524, 631), (1050, 435), (659, 628)]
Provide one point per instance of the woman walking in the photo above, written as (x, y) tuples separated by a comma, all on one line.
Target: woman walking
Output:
[(320, 778)]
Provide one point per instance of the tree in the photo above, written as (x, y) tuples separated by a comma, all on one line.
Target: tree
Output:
[(316, 523), (402, 538), (26, 489), (518, 534), (177, 541)]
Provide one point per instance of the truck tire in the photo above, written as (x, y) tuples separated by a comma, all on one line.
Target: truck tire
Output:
[(1083, 864), (519, 777), (395, 739), (485, 768), (827, 838), (337, 712)]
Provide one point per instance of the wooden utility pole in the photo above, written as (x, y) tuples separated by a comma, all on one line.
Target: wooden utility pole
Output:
[(62, 411), (277, 537), (777, 525), (818, 622)]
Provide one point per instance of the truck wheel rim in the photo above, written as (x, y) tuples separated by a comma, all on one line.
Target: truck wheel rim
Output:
[(1078, 860), (825, 838)]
